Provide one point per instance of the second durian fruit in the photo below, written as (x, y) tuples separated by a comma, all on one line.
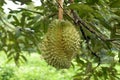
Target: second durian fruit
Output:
[(60, 44)]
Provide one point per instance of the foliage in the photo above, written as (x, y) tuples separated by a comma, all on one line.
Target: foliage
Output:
[(34, 69), (6, 73), (22, 30)]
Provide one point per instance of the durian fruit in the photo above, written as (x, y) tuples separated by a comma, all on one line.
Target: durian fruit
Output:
[(60, 44)]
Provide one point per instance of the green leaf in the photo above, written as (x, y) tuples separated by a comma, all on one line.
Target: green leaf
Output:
[(96, 77), (16, 20), (9, 16), (23, 1), (117, 12), (23, 20), (105, 74), (9, 59), (10, 54), (115, 4), (2, 2), (14, 11), (76, 1), (23, 57), (82, 8), (92, 2)]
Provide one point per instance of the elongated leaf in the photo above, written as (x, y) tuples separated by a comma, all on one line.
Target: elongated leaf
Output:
[(81, 7), (10, 54), (23, 57), (115, 4), (16, 20)]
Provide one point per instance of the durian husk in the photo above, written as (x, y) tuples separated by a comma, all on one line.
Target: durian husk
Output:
[(60, 44)]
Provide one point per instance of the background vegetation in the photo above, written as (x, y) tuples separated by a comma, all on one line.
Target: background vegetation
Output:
[(21, 32)]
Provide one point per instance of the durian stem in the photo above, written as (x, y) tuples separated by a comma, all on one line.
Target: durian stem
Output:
[(71, 1), (60, 13)]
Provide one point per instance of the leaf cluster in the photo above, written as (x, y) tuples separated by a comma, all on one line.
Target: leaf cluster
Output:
[(22, 31)]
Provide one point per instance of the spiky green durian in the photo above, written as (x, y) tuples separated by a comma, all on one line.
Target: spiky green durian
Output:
[(60, 44)]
